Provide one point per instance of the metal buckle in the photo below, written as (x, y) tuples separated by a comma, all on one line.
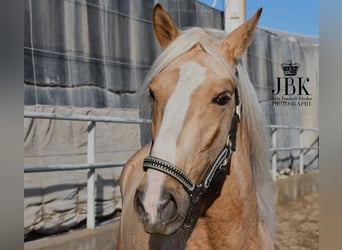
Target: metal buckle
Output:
[(238, 110)]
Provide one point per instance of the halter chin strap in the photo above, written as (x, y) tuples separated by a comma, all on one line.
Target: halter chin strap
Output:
[(220, 166)]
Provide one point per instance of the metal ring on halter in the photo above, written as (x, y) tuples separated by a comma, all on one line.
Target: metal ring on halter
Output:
[(238, 110)]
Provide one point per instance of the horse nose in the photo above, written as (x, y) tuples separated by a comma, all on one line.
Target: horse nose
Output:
[(155, 217)]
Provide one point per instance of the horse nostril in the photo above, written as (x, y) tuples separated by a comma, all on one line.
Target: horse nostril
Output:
[(167, 207), (139, 204), (164, 199), (164, 202)]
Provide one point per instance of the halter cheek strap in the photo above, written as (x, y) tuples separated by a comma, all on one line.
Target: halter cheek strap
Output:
[(219, 167)]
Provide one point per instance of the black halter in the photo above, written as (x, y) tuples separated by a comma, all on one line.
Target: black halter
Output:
[(218, 168)]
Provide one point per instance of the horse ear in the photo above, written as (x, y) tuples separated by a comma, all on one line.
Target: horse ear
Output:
[(239, 39), (165, 28)]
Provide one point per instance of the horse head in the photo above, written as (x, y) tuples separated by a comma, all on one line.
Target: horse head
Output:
[(195, 99)]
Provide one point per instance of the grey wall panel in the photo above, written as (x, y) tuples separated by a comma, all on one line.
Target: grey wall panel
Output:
[(107, 45)]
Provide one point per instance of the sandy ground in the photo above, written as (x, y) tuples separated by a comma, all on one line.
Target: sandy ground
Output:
[(298, 224)]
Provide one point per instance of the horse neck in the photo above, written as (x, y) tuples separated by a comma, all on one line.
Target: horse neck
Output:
[(235, 210), (240, 178)]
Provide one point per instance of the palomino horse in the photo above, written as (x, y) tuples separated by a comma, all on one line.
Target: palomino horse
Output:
[(204, 182)]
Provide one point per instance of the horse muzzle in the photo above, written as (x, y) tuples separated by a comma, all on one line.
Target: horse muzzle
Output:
[(169, 212)]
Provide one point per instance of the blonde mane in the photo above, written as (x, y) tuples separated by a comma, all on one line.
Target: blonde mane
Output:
[(252, 115)]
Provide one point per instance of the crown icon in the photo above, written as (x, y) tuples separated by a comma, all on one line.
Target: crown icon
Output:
[(289, 68)]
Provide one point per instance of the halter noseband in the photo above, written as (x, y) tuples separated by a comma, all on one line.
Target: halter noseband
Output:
[(219, 167)]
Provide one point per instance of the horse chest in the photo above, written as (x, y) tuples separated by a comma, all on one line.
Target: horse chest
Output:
[(232, 222)]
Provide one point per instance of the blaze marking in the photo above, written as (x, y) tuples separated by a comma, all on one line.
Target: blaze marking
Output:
[(191, 76)]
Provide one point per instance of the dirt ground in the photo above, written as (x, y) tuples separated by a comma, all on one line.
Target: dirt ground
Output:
[(298, 224)]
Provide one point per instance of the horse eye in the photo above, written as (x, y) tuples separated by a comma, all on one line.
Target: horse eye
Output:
[(222, 99)]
